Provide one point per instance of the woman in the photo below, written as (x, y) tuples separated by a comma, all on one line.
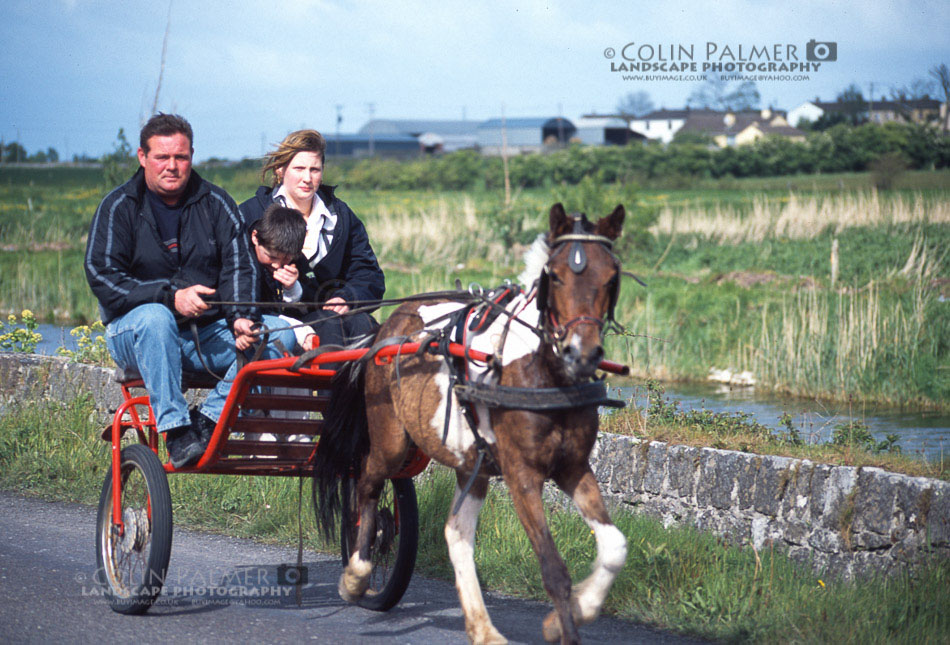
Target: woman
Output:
[(338, 265)]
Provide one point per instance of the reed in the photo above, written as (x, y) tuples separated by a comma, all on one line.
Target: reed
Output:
[(796, 216)]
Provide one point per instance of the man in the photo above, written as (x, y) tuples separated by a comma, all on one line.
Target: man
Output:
[(158, 246)]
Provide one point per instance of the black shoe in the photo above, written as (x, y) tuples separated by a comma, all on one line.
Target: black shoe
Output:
[(183, 448), (202, 427)]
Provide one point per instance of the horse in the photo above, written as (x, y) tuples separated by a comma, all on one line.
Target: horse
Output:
[(549, 340)]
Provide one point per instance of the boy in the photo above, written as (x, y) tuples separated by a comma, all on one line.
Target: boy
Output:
[(277, 239)]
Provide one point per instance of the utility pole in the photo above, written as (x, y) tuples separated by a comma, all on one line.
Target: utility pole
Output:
[(504, 156), (372, 127), (339, 120), (560, 126)]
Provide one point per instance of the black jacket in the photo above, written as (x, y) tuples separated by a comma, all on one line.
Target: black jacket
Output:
[(349, 269), (127, 265)]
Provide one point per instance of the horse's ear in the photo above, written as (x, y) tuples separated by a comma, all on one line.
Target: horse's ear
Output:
[(610, 226), (560, 222)]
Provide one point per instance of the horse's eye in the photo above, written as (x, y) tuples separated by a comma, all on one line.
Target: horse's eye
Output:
[(555, 279)]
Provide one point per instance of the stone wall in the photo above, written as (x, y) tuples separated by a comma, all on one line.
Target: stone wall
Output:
[(849, 521)]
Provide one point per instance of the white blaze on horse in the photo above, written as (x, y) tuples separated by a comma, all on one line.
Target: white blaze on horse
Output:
[(547, 345)]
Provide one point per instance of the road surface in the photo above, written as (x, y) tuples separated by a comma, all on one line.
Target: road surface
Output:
[(223, 589)]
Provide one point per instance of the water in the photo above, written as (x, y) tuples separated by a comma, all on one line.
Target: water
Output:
[(919, 433), (54, 337)]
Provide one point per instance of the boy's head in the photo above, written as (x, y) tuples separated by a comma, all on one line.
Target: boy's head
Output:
[(278, 236)]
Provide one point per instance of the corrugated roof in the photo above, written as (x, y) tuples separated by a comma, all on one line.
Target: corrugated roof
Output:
[(416, 127), (523, 122)]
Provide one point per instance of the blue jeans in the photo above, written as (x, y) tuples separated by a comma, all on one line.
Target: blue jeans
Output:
[(148, 340)]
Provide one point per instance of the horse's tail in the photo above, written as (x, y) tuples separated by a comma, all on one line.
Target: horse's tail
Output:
[(344, 441)]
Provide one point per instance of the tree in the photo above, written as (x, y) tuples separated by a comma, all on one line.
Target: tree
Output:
[(14, 152), (942, 74), (852, 105), (919, 88), (635, 104), (717, 94), (117, 164)]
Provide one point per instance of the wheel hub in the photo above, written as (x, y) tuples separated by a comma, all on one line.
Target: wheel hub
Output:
[(136, 529)]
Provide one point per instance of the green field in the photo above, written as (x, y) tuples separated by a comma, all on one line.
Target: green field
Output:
[(738, 270)]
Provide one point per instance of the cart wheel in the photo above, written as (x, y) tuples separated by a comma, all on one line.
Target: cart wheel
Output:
[(393, 552), (132, 566)]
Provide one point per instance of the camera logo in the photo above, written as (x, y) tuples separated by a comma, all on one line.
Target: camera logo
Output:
[(821, 51), (288, 575)]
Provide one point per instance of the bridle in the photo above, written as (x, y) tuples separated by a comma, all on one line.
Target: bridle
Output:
[(577, 261)]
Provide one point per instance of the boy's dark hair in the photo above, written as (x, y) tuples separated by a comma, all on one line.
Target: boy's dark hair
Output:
[(164, 125), (282, 230)]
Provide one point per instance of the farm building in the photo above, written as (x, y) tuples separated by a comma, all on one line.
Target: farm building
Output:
[(598, 130), (433, 135), (365, 145), (524, 134)]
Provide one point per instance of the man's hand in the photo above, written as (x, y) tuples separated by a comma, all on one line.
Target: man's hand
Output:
[(244, 334), (286, 275), (188, 301), (337, 305)]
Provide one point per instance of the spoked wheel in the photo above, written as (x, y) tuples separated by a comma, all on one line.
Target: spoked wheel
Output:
[(132, 562), (393, 548)]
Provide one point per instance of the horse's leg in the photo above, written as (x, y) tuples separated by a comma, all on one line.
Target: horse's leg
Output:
[(588, 596), (524, 484), (460, 537), (355, 577), (387, 451)]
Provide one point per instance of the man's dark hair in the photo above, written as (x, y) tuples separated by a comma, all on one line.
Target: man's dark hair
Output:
[(282, 230), (164, 125)]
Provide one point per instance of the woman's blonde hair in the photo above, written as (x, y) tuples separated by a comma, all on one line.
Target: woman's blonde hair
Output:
[(299, 141)]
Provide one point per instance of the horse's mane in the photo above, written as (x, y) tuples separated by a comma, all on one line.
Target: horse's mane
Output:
[(534, 260)]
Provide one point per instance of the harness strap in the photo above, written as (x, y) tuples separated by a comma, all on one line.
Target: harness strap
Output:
[(538, 399), (471, 478), (311, 354)]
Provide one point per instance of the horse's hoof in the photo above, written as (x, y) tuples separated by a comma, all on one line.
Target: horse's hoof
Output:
[(353, 586), (551, 628), (489, 636)]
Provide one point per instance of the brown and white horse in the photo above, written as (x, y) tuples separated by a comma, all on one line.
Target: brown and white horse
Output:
[(559, 345)]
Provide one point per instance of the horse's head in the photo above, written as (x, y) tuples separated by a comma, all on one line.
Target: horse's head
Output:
[(579, 287)]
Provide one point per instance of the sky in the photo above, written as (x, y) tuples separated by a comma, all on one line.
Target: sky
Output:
[(72, 72)]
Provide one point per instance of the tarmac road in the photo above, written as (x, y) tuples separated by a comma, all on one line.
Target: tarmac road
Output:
[(223, 589)]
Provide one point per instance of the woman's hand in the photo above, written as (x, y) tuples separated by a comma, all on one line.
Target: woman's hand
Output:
[(337, 305)]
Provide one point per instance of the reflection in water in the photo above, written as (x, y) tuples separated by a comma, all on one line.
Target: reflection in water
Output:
[(919, 433)]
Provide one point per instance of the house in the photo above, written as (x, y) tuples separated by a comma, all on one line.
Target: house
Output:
[(925, 110), (662, 125), (522, 135), (433, 135), (740, 127)]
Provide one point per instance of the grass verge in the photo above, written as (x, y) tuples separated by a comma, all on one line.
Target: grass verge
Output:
[(676, 579)]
